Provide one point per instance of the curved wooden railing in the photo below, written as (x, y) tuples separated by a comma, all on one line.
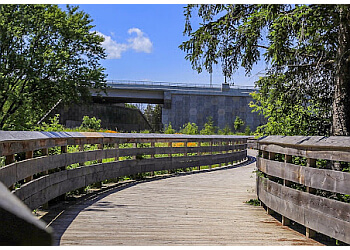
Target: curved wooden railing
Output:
[(300, 179), (39, 166)]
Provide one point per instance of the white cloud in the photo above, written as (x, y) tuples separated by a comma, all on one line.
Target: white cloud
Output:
[(113, 49), (140, 43)]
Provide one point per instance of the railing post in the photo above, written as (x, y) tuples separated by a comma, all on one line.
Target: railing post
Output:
[(8, 160), (223, 143), (287, 159), (199, 153), (29, 155), (240, 143), (270, 156), (100, 147), (185, 153), (81, 149), (211, 153), (170, 145), (265, 154), (116, 146), (45, 151), (153, 145), (99, 183), (64, 150), (310, 163), (134, 158)]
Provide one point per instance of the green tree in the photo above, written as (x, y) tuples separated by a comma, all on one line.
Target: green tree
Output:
[(153, 114), (306, 49), (238, 123), (130, 105), (190, 129), (209, 128), (46, 54)]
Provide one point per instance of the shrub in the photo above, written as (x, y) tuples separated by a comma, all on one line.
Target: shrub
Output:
[(53, 126), (247, 131), (209, 128), (225, 131), (238, 123), (169, 129), (91, 123), (190, 129)]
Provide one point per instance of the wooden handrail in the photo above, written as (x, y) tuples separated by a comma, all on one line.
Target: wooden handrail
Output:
[(40, 166), (296, 180)]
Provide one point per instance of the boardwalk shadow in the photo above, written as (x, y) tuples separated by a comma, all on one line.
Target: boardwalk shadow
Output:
[(63, 213)]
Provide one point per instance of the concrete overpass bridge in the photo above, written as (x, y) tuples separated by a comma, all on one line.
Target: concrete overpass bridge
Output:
[(183, 103), (126, 91)]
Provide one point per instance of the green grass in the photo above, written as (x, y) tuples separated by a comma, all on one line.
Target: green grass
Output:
[(253, 202)]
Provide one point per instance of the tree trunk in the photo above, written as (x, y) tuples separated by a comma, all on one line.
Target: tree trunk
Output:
[(341, 100)]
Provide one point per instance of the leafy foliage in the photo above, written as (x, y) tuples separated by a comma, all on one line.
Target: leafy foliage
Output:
[(46, 54), (209, 128), (238, 123), (54, 125), (131, 106), (90, 123), (247, 131), (190, 129), (306, 50), (225, 131), (169, 129)]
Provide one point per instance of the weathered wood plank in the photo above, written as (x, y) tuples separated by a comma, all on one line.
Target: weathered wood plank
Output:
[(324, 179), (323, 215), (8, 174)]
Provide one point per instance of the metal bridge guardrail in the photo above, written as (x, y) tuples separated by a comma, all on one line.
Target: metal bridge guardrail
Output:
[(171, 84)]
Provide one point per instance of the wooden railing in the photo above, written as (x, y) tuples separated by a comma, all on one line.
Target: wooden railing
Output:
[(300, 178), (40, 166)]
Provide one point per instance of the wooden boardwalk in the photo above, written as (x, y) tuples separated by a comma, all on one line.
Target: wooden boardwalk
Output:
[(202, 208)]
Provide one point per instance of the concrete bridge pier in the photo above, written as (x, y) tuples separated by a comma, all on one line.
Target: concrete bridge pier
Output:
[(223, 105)]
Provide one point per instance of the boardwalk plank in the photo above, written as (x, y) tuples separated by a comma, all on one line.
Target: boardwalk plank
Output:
[(204, 208)]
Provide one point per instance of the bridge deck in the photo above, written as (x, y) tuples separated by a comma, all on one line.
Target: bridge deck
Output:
[(203, 208)]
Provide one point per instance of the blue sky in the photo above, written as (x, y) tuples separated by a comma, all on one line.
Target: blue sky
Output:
[(142, 42)]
